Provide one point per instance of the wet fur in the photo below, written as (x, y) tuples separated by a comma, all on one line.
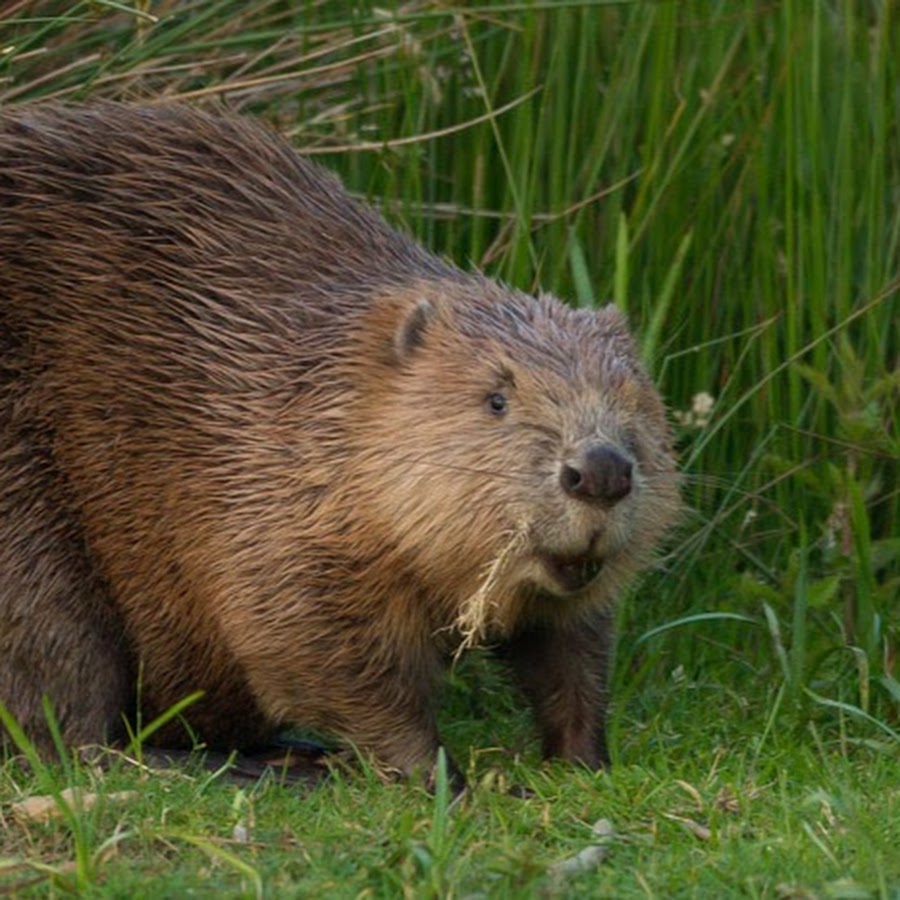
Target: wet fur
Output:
[(244, 448)]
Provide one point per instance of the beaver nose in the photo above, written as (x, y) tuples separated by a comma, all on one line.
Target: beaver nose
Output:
[(601, 474)]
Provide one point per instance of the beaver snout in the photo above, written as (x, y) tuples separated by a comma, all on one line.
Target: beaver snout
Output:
[(598, 474)]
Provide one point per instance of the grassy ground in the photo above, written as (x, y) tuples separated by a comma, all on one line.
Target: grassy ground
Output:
[(728, 173)]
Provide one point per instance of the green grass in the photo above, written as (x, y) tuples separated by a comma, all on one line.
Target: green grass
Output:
[(729, 174), (703, 808)]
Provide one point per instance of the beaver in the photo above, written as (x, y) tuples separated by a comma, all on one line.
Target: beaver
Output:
[(257, 443)]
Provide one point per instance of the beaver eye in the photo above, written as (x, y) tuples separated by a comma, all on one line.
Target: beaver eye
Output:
[(497, 403)]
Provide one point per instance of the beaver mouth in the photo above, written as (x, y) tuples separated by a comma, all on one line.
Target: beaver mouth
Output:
[(573, 573)]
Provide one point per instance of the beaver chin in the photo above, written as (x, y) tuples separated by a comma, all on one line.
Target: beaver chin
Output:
[(572, 574)]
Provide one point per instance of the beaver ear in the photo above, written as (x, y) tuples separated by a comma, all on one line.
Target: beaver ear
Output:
[(612, 318), (410, 335)]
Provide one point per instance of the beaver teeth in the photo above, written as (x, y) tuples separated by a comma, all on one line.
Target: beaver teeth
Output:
[(574, 573)]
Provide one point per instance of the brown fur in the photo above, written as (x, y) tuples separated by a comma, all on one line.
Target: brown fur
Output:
[(246, 446)]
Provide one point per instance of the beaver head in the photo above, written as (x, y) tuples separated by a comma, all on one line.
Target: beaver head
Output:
[(523, 455)]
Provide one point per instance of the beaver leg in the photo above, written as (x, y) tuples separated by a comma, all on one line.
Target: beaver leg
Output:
[(563, 672), (59, 636), (401, 737), (362, 684)]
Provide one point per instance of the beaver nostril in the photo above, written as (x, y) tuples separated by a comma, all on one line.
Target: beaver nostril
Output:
[(601, 474), (571, 480)]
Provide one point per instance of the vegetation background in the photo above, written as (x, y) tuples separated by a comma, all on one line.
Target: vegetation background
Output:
[(729, 174)]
